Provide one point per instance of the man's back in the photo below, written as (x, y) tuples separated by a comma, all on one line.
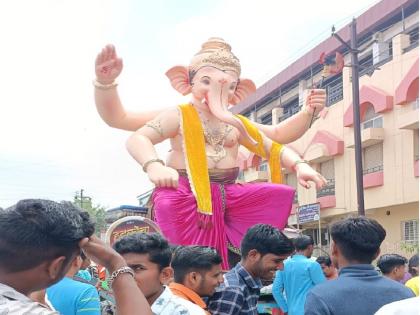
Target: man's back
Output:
[(71, 297), (359, 289), (299, 275)]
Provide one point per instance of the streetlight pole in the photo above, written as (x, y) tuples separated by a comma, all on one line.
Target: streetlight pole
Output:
[(356, 116), (356, 113)]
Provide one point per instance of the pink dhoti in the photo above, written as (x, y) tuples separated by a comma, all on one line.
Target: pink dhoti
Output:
[(236, 207)]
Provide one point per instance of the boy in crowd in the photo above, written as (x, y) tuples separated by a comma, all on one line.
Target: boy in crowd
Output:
[(299, 275), (149, 255), (197, 273), (329, 270), (263, 250), (392, 266), (71, 297)]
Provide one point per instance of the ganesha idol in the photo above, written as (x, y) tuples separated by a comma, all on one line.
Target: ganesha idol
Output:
[(196, 199)]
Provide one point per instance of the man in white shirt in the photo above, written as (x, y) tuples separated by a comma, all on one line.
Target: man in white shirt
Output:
[(149, 255)]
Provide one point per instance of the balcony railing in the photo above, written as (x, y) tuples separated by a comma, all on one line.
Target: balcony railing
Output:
[(334, 93), (327, 190), (289, 112), (374, 169)]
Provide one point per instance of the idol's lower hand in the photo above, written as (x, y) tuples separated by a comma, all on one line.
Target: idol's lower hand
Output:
[(305, 173), (163, 176)]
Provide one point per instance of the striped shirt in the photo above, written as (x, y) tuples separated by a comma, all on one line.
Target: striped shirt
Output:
[(13, 302), (237, 295), (70, 297)]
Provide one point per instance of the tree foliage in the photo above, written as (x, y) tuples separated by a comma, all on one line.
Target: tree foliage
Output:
[(96, 212)]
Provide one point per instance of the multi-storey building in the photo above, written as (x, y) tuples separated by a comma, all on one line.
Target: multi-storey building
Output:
[(388, 35)]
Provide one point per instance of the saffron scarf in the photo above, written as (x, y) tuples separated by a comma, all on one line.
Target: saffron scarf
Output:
[(196, 159)]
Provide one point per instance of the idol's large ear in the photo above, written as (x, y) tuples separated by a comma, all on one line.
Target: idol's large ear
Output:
[(179, 78), (244, 88)]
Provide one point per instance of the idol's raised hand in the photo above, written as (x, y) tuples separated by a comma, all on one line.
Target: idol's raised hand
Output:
[(315, 100), (107, 65)]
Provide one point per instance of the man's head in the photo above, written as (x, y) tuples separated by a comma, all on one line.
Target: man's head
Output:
[(198, 268), (304, 244), (263, 250), (326, 265), (149, 255), (392, 266), (355, 241), (41, 238), (413, 265)]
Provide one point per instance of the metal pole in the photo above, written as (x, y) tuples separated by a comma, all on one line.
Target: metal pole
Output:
[(81, 198), (356, 115), (319, 231)]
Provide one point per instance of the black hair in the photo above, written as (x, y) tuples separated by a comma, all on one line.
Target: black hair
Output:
[(266, 239), (324, 260), (386, 263), (358, 238), (36, 230), (413, 262), (153, 244), (193, 258), (302, 242)]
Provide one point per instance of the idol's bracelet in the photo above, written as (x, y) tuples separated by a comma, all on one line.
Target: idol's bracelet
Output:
[(299, 162), (118, 272), (104, 87), (145, 165)]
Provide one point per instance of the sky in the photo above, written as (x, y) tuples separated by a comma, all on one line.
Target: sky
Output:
[(52, 141)]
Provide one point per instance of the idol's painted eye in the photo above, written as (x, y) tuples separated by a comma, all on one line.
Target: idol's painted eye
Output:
[(232, 87), (205, 80)]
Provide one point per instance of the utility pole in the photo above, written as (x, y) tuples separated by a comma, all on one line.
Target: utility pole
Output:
[(81, 198), (356, 113)]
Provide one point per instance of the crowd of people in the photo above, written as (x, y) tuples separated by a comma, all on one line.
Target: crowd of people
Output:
[(46, 248)]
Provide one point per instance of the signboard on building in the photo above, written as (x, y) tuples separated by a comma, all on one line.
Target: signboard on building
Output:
[(130, 225), (309, 213)]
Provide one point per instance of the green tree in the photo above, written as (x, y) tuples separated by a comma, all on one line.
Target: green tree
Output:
[(96, 212)]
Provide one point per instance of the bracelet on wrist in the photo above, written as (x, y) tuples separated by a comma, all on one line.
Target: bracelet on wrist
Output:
[(145, 165), (299, 162), (104, 87), (119, 272)]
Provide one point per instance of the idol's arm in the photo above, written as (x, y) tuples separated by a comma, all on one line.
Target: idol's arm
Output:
[(140, 145), (112, 112), (295, 126)]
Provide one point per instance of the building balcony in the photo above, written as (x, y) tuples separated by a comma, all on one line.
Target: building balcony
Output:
[(326, 196), (373, 177), (370, 136), (409, 119)]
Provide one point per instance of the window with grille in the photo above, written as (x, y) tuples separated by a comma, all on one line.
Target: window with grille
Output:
[(263, 167), (327, 170), (410, 231), (372, 119), (416, 144), (267, 119), (373, 158)]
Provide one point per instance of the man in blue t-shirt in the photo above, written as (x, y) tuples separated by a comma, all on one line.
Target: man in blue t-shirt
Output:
[(71, 297), (300, 274)]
